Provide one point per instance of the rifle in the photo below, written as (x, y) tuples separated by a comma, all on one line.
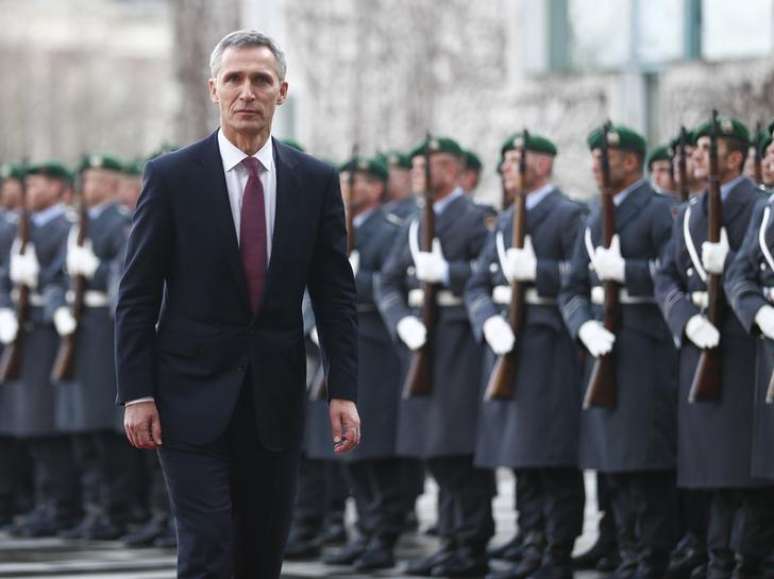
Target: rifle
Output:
[(603, 388), (11, 359), (319, 386), (706, 381), (758, 165), (504, 196), (500, 385), (64, 364), (682, 163), (419, 380)]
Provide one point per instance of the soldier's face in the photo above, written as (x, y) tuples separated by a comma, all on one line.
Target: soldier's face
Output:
[(469, 180), (98, 186), (728, 162), (247, 90), (444, 171), (768, 165), (10, 194), (399, 184), (749, 163), (659, 173), (42, 192), (617, 163), (344, 184), (129, 191)]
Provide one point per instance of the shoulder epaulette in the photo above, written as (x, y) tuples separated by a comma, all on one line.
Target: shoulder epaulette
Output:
[(394, 219)]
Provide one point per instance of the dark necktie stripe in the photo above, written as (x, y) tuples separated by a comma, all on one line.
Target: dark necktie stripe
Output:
[(252, 234)]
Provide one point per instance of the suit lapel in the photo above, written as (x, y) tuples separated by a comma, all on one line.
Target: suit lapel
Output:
[(213, 183)]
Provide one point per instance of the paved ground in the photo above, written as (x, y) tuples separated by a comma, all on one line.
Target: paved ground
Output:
[(70, 560)]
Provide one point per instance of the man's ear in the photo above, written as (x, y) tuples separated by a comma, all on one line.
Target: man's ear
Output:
[(283, 93), (212, 87)]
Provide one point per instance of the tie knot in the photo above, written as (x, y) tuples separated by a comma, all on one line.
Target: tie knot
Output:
[(253, 165)]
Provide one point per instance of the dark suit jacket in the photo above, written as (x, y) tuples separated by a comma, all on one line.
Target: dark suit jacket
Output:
[(183, 270)]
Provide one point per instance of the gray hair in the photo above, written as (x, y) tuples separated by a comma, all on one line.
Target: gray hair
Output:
[(247, 39)]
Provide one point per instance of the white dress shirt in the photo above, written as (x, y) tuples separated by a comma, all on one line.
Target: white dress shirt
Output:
[(236, 181)]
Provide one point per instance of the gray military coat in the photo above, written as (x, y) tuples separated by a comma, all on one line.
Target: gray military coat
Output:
[(640, 433), (540, 426), (714, 440), (749, 286), (445, 422)]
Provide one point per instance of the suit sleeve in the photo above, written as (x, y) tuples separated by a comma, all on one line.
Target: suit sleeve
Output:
[(741, 281), (332, 291), (148, 255)]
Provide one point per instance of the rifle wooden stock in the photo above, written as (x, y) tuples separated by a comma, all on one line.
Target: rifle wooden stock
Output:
[(682, 163), (602, 389), (706, 384), (11, 359), (419, 380), (758, 158), (503, 376)]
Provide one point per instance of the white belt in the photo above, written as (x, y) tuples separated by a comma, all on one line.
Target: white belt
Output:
[(36, 300), (700, 299), (598, 297), (91, 298), (443, 298), (501, 295)]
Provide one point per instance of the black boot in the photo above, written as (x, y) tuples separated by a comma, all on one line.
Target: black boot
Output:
[(335, 532), (511, 551), (465, 562), (532, 556), (378, 555), (303, 545), (348, 554), (168, 539), (424, 567), (147, 534), (603, 552), (556, 564), (689, 554)]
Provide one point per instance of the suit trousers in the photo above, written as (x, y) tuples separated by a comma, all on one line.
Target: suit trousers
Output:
[(232, 499)]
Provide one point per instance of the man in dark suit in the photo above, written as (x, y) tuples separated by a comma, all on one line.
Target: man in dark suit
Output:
[(210, 347)]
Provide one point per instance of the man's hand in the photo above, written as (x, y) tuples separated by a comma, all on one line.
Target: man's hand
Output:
[(345, 425), (143, 426)]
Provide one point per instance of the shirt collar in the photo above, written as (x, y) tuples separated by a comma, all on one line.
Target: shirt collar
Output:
[(40, 218), (536, 196), (361, 218), (726, 188), (233, 156), (440, 206), (621, 196)]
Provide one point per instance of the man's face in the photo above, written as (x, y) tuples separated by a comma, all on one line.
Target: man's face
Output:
[(728, 162), (768, 165), (42, 192), (749, 163), (99, 186), (10, 194), (399, 184), (660, 175), (469, 180), (622, 165), (247, 90), (366, 192), (129, 190), (444, 170), (535, 170), (344, 184)]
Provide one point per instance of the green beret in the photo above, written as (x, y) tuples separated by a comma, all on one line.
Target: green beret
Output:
[(764, 138), (51, 169), (438, 145), (662, 153), (133, 168), (97, 161), (294, 144), (535, 143), (618, 137), (728, 128), (11, 171), (397, 159), (472, 161), (373, 167), (690, 141)]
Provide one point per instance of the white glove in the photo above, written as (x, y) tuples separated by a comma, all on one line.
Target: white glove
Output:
[(597, 339), (354, 261), (64, 321), (315, 337), (521, 264), (701, 332), (432, 267), (765, 320), (24, 266), (9, 327), (499, 335), (713, 255), (412, 332), (608, 263), (80, 259)]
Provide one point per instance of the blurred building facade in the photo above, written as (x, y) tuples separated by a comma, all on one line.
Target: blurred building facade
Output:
[(125, 75)]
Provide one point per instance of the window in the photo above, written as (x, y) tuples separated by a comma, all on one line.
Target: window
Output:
[(736, 29), (661, 25), (599, 33)]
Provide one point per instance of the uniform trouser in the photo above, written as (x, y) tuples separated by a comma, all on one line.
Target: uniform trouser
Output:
[(741, 524), (529, 504), (412, 482), (337, 491), (556, 501), (471, 490), (645, 506), (8, 476), (55, 478), (106, 481), (376, 487), (607, 529), (694, 512)]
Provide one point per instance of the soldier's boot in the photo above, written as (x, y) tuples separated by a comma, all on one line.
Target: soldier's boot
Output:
[(469, 561), (689, 554), (44, 522), (556, 564), (627, 568), (511, 551), (146, 534), (424, 567), (79, 531), (380, 554), (602, 556), (335, 531), (652, 564), (721, 564), (303, 544), (532, 557), (348, 554), (168, 539), (104, 529), (747, 568)]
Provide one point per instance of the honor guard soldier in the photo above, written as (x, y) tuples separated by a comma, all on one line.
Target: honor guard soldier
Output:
[(660, 170), (373, 469), (765, 139), (471, 177), (11, 177), (439, 424), (628, 426), (35, 274), (684, 146), (533, 426), (401, 199), (130, 186), (716, 429), (86, 403)]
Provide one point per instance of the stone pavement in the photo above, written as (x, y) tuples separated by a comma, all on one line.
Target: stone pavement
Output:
[(69, 560)]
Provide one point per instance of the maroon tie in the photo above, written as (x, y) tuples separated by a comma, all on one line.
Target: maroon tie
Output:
[(252, 234)]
